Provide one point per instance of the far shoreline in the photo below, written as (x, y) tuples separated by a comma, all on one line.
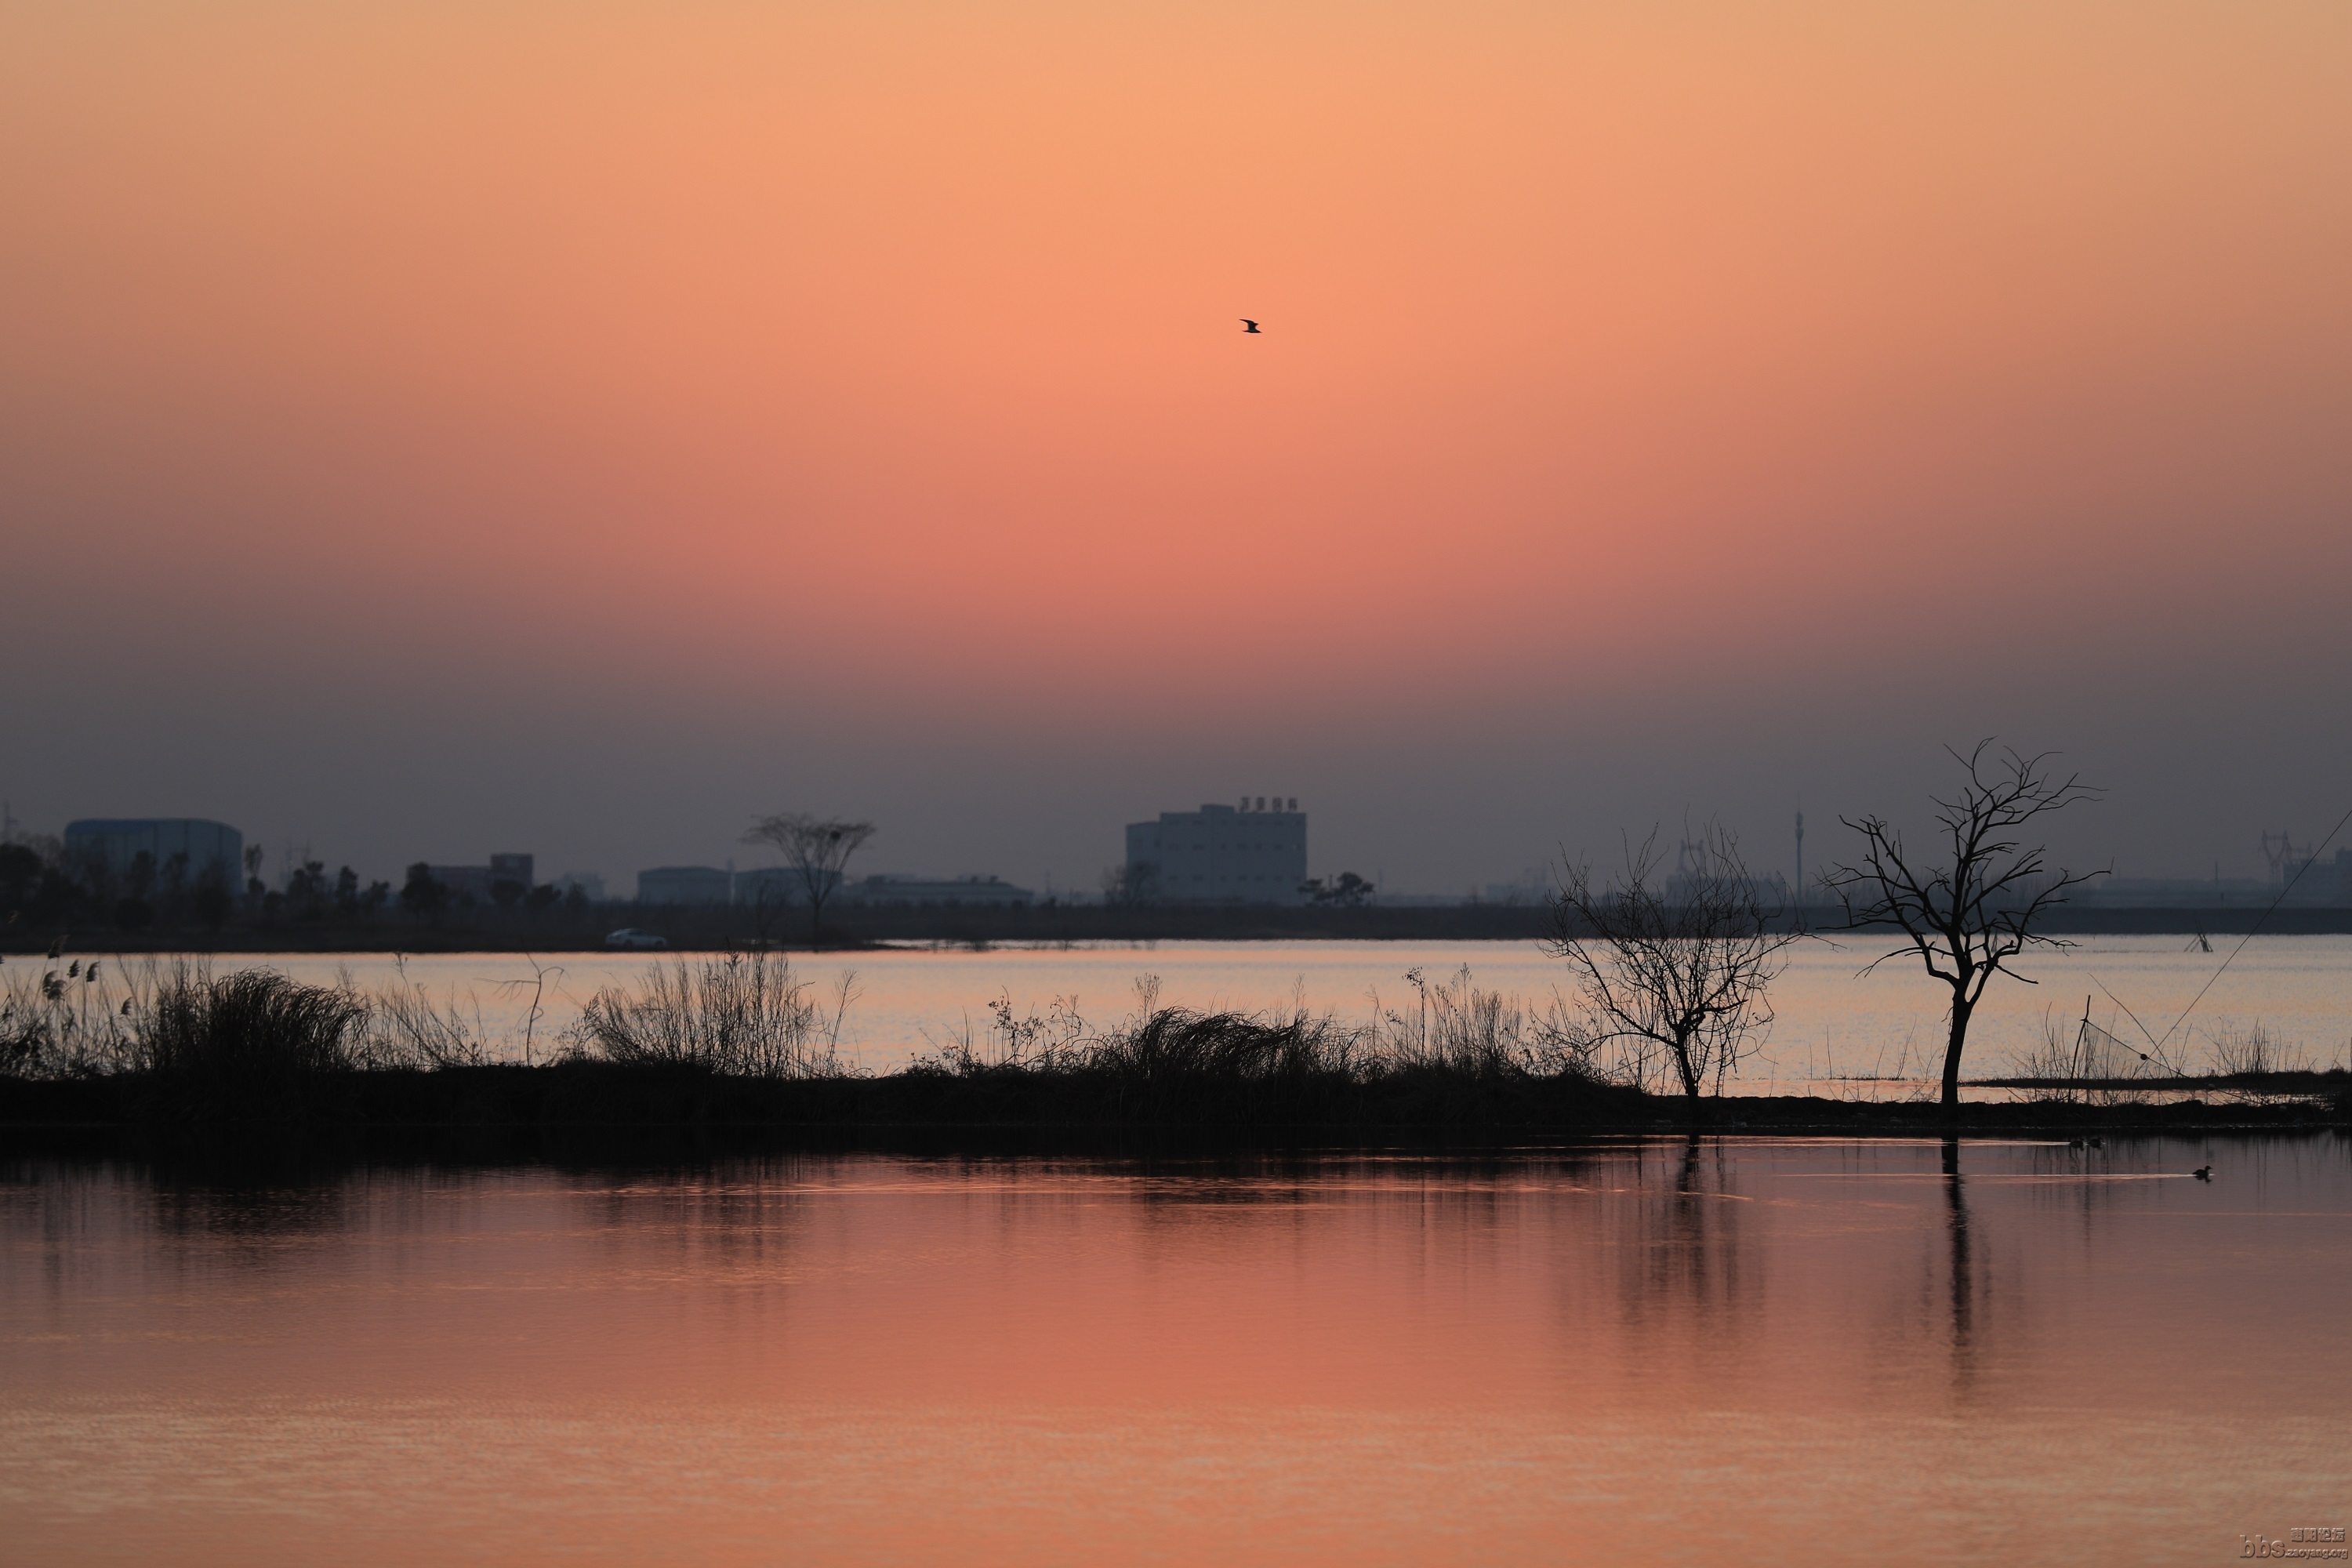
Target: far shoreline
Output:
[(686, 929)]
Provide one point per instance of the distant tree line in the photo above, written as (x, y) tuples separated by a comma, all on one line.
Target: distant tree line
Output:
[(43, 884), (426, 898)]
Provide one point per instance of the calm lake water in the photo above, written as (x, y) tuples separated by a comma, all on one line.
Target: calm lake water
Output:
[(1729, 1351), (1832, 1024)]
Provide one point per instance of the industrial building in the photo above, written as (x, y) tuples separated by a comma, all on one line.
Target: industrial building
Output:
[(202, 850), (947, 891), (1254, 853), (2303, 877)]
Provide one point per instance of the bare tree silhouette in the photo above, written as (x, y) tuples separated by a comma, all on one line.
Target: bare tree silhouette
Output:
[(817, 849), (1681, 978), (1966, 919)]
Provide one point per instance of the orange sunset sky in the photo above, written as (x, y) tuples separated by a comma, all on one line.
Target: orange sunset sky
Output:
[(433, 429)]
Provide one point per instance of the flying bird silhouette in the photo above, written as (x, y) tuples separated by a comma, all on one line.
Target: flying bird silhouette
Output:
[(1248, 325)]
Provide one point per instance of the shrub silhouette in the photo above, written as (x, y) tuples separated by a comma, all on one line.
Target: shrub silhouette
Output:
[(253, 1026)]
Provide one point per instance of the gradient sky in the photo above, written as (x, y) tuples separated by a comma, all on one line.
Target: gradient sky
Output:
[(428, 429)]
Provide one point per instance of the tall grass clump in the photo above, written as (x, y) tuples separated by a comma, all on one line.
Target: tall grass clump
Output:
[(741, 1014), (250, 1026), (1459, 1051), (406, 1028), (1176, 1043), (1161, 1064), (1454, 1027), (85, 1019), (2251, 1056), (2249, 1053)]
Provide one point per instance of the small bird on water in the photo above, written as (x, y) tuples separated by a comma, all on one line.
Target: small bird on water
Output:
[(2203, 1173), (1248, 325)]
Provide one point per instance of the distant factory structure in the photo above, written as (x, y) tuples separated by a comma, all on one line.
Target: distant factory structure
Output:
[(887, 889), (2298, 876), (190, 851), (2303, 878), (1253, 853)]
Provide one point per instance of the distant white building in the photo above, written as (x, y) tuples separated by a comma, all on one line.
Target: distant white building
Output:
[(1254, 853)]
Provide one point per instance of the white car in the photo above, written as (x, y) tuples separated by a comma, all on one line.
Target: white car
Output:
[(630, 936)]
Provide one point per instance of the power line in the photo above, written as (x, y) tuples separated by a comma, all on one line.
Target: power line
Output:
[(2308, 862)]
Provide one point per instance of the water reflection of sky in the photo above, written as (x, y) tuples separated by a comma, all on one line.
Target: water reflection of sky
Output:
[(1765, 1350), (1831, 1022)]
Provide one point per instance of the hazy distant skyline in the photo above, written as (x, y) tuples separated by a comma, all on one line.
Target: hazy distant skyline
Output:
[(428, 431)]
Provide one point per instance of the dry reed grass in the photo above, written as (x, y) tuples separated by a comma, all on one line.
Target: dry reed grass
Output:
[(740, 1015)]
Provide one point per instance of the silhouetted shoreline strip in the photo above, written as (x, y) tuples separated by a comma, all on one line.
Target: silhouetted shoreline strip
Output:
[(588, 1095)]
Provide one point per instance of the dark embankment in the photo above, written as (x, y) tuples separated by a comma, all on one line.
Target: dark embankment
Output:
[(593, 1104), (718, 927), (591, 1093)]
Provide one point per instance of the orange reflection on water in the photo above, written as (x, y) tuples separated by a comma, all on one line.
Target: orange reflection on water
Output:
[(1768, 1352)]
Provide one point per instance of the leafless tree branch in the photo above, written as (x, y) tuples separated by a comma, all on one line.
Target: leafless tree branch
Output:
[(817, 849), (1675, 972), (1977, 903)]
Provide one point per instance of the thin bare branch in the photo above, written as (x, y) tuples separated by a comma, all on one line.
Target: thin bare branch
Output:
[(1677, 967), (1966, 919)]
